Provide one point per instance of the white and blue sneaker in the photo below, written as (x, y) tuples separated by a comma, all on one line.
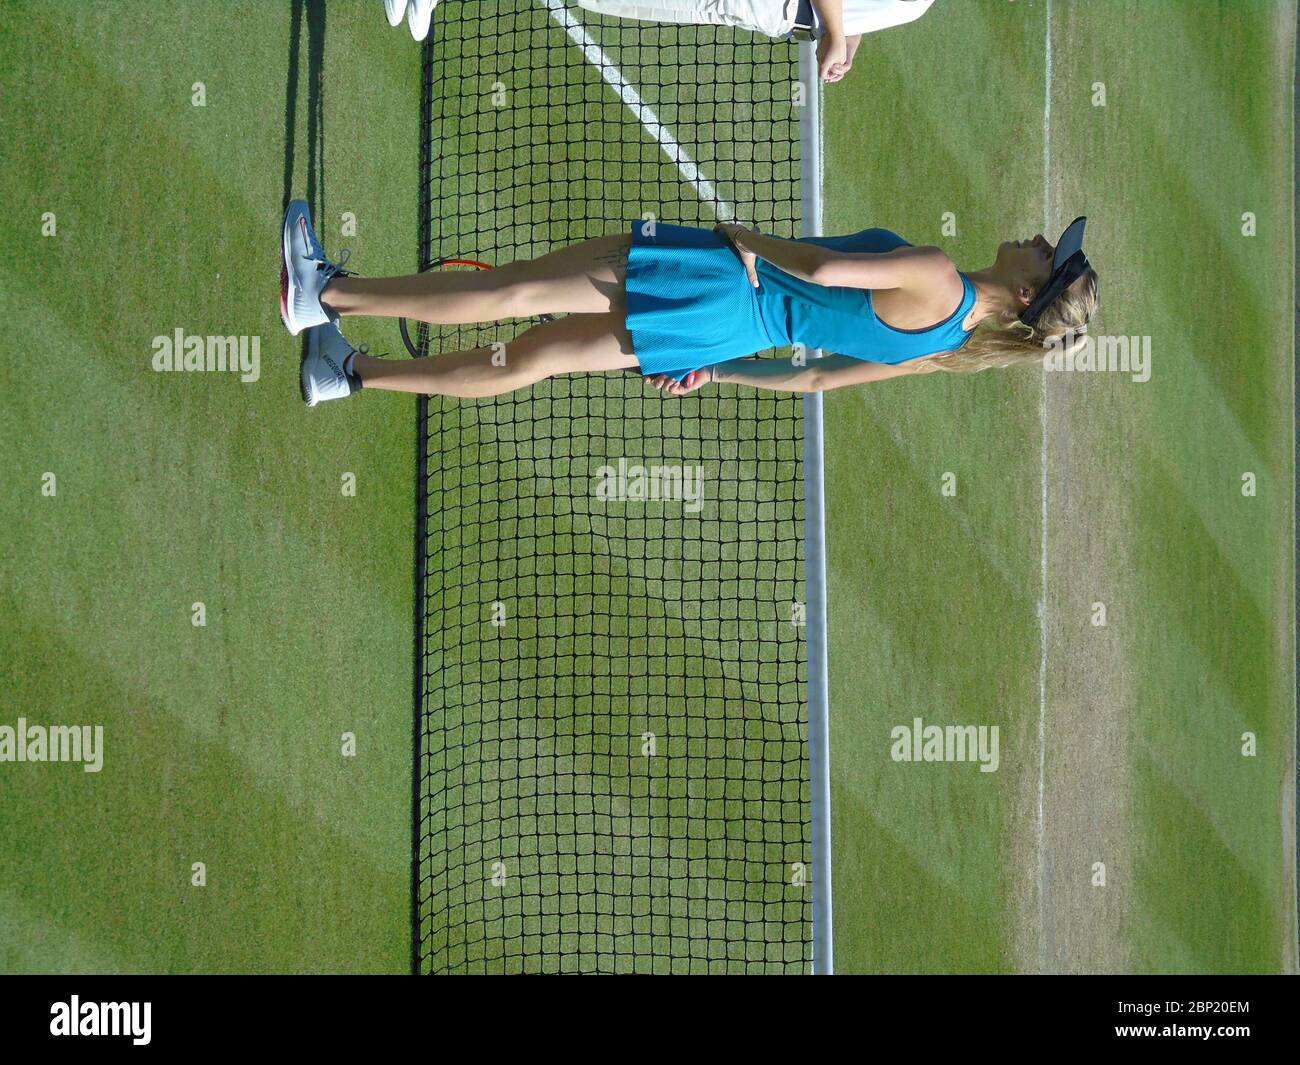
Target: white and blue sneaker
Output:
[(327, 367), (304, 272), (395, 10), (419, 15)]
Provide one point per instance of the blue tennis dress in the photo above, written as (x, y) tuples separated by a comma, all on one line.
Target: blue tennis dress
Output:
[(690, 305)]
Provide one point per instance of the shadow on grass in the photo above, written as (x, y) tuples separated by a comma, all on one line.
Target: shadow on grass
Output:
[(312, 13)]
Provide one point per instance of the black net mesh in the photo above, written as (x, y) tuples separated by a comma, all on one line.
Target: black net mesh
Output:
[(611, 764)]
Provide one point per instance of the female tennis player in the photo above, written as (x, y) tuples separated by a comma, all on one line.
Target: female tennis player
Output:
[(687, 306)]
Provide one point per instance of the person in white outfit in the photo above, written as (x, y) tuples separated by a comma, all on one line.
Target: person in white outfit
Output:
[(418, 14), (837, 25)]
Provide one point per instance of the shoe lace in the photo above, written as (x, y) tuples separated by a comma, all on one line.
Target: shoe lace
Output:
[(336, 268)]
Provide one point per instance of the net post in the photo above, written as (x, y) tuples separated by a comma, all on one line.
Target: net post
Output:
[(819, 750)]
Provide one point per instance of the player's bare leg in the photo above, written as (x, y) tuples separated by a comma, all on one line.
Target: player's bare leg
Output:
[(584, 278)]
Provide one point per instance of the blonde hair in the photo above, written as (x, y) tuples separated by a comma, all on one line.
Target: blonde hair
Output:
[(1062, 327)]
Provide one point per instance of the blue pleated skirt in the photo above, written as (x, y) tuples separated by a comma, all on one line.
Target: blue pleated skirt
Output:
[(689, 303)]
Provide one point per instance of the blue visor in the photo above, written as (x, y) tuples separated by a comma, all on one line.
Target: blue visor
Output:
[(1068, 265)]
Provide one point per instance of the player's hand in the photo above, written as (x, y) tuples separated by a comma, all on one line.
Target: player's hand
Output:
[(833, 60), (693, 380), (840, 70), (735, 235)]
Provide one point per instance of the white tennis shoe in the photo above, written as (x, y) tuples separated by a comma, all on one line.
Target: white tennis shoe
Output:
[(304, 272), (327, 367), (395, 10), (419, 15)]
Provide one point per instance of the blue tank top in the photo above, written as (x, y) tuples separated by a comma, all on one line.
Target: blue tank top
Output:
[(844, 320)]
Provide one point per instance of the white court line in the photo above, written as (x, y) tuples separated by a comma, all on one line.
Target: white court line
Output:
[(645, 114), (1042, 418)]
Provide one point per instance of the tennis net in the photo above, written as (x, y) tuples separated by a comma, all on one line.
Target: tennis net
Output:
[(611, 753)]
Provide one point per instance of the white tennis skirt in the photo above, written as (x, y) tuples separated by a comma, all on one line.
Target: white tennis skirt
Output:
[(775, 18)]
